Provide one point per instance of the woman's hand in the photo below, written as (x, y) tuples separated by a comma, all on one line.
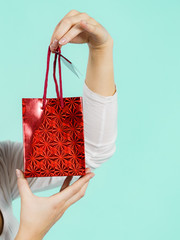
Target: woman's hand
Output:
[(100, 71), (77, 27), (39, 214)]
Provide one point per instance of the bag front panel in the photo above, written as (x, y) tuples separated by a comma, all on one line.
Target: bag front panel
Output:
[(53, 137)]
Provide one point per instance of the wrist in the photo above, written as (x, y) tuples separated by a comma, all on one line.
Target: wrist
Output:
[(101, 55), (99, 49), (26, 235)]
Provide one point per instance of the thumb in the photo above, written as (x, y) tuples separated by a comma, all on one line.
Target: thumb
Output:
[(23, 186)]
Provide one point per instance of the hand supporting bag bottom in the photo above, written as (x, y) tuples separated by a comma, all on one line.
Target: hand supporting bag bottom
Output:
[(53, 132)]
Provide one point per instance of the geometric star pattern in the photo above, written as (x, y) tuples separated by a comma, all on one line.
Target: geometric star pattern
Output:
[(53, 138)]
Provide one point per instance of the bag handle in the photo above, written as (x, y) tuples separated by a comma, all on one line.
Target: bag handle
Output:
[(60, 78), (54, 76)]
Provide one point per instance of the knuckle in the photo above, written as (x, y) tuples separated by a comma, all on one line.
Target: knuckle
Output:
[(82, 194), (73, 11), (74, 190), (84, 15)]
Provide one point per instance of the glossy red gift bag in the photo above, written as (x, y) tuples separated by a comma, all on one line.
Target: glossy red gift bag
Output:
[(53, 131)]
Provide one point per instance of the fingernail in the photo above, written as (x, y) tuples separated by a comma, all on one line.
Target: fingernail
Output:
[(54, 44), (18, 173), (63, 40)]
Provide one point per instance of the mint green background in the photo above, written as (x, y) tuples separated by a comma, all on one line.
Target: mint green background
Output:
[(136, 194)]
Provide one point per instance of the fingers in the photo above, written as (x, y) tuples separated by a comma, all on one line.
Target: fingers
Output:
[(66, 183), (54, 42), (77, 196), (69, 22), (73, 189), (65, 25), (72, 33), (71, 13), (83, 26), (76, 187), (23, 186), (88, 170)]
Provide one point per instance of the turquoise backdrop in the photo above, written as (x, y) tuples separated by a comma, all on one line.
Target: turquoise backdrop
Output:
[(136, 194)]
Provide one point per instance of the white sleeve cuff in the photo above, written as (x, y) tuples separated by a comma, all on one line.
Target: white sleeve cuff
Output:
[(97, 97)]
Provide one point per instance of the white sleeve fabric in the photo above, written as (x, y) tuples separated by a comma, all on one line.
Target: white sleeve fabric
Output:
[(11, 224), (100, 133), (100, 126)]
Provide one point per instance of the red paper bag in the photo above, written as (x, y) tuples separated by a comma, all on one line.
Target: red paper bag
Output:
[(53, 132)]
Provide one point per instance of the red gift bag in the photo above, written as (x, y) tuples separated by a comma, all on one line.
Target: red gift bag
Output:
[(53, 131)]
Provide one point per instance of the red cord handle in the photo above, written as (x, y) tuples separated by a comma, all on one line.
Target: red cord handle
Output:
[(59, 96), (54, 75)]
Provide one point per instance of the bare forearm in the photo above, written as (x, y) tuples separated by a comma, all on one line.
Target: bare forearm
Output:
[(100, 72)]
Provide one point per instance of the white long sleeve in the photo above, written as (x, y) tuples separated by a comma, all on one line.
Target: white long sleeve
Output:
[(100, 133)]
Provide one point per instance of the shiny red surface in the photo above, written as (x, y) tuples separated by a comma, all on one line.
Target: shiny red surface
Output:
[(53, 137)]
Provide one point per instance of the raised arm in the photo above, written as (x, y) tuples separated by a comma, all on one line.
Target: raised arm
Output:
[(100, 73), (100, 93)]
